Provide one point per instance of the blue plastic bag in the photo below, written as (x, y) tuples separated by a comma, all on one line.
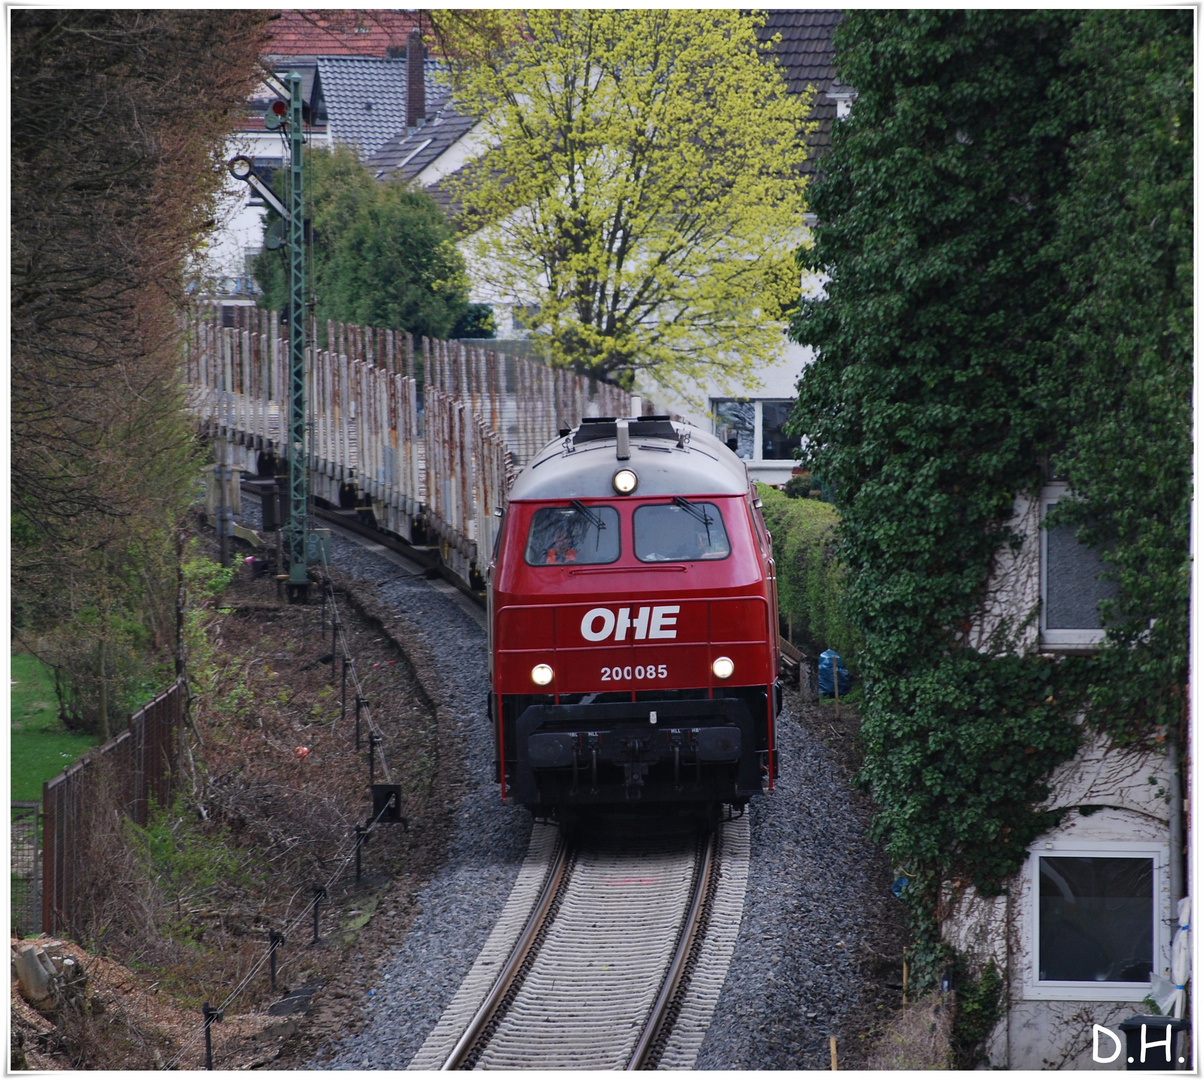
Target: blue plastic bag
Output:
[(844, 681)]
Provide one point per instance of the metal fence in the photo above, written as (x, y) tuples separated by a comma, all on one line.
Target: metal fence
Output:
[(25, 913), (432, 431), (140, 765)]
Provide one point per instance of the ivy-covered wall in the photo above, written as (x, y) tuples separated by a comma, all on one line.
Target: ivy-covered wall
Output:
[(1004, 226)]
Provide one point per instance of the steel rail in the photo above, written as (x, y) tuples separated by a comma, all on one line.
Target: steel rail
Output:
[(677, 967), (518, 956)]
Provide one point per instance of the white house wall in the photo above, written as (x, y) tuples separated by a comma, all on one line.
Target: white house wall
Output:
[(1116, 804), (238, 233), (1013, 593), (455, 157), (777, 381)]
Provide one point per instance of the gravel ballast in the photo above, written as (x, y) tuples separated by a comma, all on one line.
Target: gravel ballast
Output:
[(818, 929)]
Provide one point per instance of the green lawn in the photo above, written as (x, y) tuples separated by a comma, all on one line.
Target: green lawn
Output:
[(41, 747)]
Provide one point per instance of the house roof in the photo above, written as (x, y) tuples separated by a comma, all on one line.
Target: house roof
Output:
[(361, 99), (808, 58), (364, 98), (405, 155), (339, 33)]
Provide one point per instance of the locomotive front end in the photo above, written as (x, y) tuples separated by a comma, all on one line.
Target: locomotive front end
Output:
[(633, 624)]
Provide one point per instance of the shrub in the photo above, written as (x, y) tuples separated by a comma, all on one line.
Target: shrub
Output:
[(810, 573), (191, 863)]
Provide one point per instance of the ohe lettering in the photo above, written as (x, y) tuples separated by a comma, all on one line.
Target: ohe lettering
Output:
[(648, 624)]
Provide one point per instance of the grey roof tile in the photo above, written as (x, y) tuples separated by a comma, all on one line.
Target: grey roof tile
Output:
[(808, 58), (405, 155), (365, 98)]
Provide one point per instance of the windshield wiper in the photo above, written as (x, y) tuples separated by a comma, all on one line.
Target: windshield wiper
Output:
[(696, 512), (594, 519)]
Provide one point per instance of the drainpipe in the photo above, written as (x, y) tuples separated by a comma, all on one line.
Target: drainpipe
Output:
[(1175, 825)]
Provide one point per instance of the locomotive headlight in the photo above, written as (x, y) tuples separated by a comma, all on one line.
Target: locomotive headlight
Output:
[(541, 674), (723, 668), (625, 481)]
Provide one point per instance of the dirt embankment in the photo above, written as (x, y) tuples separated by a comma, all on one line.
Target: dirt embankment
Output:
[(273, 777)]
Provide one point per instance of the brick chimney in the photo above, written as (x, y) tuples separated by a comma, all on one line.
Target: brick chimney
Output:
[(415, 83)]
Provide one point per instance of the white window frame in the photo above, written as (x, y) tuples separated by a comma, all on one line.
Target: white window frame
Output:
[(1065, 638), (1036, 989), (758, 404)]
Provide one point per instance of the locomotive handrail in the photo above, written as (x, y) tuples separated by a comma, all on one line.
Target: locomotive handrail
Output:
[(676, 568)]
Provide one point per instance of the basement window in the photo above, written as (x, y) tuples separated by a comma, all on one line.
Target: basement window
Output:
[(1098, 930)]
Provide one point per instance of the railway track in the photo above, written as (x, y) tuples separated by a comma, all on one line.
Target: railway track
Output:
[(611, 952), (594, 978)]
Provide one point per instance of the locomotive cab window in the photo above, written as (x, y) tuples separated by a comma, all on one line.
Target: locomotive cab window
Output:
[(681, 531), (573, 535)]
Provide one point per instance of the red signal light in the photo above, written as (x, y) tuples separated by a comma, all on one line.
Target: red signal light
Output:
[(276, 116)]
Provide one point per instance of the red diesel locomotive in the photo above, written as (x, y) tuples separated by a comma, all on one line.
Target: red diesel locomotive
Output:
[(633, 624)]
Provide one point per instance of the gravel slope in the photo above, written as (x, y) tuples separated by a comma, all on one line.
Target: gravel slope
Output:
[(818, 923)]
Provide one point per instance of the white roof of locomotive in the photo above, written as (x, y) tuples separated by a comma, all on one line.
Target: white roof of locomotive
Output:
[(690, 462)]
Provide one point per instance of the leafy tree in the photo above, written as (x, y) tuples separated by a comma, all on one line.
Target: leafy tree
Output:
[(383, 254), (640, 180), (1004, 223), (118, 129), (468, 36), (476, 322)]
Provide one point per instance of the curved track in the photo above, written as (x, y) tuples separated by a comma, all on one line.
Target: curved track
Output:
[(596, 971)]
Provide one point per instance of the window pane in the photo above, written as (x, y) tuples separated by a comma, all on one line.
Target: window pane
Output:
[(1073, 587), (567, 534), (777, 445), (735, 425), (1097, 919), (674, 533)]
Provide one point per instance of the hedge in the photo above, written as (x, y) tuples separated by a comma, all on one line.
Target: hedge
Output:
[(810, 574)]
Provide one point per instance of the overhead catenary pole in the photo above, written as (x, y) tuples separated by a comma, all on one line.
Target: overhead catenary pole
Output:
[(298, 579)]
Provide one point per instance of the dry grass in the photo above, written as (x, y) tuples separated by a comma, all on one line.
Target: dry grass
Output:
[(915, 1037)]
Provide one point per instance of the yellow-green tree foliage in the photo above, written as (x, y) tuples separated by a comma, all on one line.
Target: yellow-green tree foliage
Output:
[(640, 185), (810, 573)]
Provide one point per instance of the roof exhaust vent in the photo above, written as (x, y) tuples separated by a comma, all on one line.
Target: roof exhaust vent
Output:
[(622, 441)]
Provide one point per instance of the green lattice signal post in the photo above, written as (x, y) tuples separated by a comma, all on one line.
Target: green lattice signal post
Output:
[(297, 541), (298, 473)]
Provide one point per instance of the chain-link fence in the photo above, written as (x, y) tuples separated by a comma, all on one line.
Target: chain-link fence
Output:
[(25, 859)]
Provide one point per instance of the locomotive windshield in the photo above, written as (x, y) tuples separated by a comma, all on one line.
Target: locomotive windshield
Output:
[(576, 534), (679, 532)]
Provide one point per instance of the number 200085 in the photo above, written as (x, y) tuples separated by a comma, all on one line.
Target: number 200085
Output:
[(651, 671)]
